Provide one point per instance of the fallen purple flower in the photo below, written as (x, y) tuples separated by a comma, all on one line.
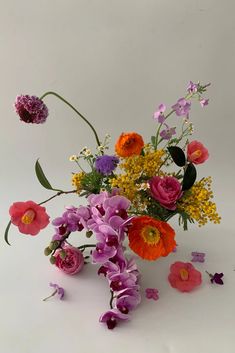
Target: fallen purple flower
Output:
[(58, 290), (216, 278), (198, 256), (152, 293)]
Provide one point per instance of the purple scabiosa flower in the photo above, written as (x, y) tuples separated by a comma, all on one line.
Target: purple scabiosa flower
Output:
[(182, 107), (159, 114), (216, 278), (167, 133), (31, 109), (106, 164), (152, 293), (204, 102), (198, 256), (58, 290), (111, 318), (192, 87)]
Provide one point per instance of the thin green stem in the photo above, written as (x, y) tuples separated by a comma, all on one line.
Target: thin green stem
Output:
[(58, 194), (74, 109), (50, 295)]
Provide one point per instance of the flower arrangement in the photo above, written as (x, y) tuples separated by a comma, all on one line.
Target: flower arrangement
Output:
[(131, 195)]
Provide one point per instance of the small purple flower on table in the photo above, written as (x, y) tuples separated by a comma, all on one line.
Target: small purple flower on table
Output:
[(152, 293), (216, 278), (182, 107), (31, 109), (198, 256), (159, 114), (58, 290)]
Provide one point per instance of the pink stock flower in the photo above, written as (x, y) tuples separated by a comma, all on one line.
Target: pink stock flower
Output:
[(29, 217), (166, 191), (72, 263), (197, 152), (184, 277)]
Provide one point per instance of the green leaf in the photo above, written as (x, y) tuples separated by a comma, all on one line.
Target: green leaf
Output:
[(177, 154), (153, 140), (190, 176), (6, 233), (41, 176)]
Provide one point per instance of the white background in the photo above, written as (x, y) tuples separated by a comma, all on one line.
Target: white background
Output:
[(115, 61)]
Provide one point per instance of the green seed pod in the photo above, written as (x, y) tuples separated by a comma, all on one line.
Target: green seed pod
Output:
[(52, 260), (47, 251)]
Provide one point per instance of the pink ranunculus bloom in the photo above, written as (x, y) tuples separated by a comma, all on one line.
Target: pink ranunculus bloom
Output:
[(166, 191), (197, 152), (184, 277), (73, 261), (29, 217)]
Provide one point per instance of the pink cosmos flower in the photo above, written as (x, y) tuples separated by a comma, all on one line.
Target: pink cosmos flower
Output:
[(72, 263), (184, 277), (29, 217), (197, 152), (166, 191)]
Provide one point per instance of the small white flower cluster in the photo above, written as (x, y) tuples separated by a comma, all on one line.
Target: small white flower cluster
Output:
[(105, 145)]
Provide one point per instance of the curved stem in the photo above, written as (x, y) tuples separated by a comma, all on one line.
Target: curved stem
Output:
[(74, 109), (58, 194), (111, 300), (86, 246)]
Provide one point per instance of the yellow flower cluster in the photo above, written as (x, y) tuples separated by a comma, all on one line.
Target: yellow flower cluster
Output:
[(134, 167), (76, 181), (197, 203)]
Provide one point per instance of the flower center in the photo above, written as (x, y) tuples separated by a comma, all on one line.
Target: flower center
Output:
[(151, 235), (196, 154), (184, 274), (28, 217)]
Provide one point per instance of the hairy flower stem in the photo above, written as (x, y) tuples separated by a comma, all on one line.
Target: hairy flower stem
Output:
[(74, 109)]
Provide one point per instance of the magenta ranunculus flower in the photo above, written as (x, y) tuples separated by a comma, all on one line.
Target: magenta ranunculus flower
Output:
[(184, 277), (72, 263), (197, 152), (29, 217), (31, 109), (166, 191)]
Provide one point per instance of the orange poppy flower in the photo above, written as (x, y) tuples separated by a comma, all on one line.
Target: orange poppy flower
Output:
[(128, 144), (150, 238)]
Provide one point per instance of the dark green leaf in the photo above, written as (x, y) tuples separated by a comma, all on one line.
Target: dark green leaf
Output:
[(41, 176), (6, 233), (190, 176), (177, 154)]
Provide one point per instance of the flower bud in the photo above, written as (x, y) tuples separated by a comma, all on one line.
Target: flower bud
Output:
[(52, 260), (62, 254), (47, 251), (89, 233), (54, 244)]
